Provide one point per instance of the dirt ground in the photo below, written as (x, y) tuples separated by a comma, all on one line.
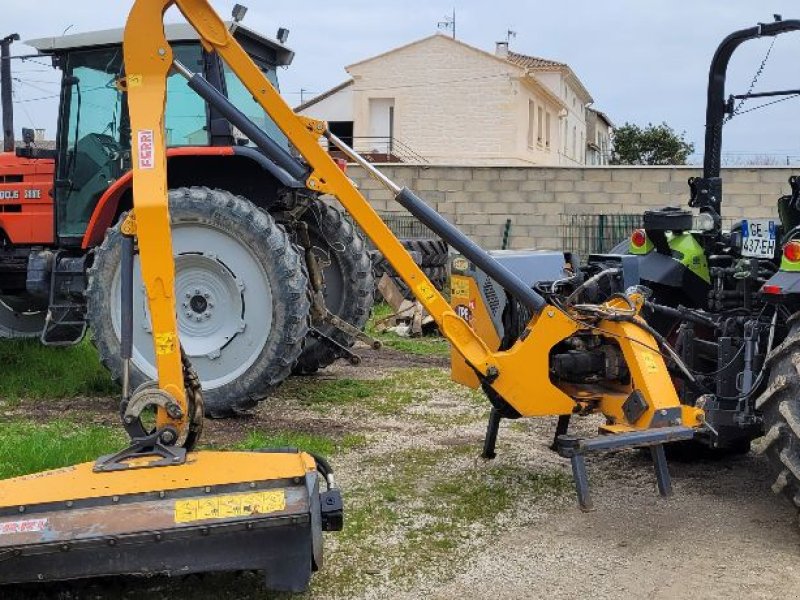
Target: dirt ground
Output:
[(722, 535)]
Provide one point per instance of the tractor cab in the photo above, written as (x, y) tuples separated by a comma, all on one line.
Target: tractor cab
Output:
[(93, 139)]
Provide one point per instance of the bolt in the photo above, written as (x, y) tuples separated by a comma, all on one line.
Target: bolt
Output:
[(69, 503), (115, 498), (167, 437), (22, 509), (185, 305), (128, 419), (196, 291), (174, 410), (550, 313), (206, 295), (207, 315), (187, 295), (188, 313), (162, 52), (210, 305)]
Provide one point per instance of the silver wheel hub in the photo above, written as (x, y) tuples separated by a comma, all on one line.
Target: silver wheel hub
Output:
[(223, 305)]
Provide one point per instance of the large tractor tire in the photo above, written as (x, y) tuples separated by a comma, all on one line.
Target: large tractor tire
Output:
[(780, 406), (241, 294), (348, 282), (430, 254), (18, 320)]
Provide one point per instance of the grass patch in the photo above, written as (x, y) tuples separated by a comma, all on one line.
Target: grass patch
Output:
[(27, 447), (308, 442), (431, 345), (37, 372)]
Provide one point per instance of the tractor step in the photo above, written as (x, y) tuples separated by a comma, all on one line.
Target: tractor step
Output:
[(576, 449), (65, 324)]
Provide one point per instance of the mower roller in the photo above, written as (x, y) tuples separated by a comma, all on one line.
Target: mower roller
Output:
[(160, 507)]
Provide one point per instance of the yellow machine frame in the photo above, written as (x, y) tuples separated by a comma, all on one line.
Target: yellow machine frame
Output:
[(520, 374)]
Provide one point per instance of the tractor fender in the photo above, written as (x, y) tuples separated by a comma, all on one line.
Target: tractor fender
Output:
[(667, 271), (246, 172)]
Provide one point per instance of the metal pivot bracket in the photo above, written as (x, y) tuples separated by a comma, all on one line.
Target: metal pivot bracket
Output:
[(141, 449), (576, 449)]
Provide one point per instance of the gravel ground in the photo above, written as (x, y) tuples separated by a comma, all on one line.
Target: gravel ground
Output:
[(722, 535)]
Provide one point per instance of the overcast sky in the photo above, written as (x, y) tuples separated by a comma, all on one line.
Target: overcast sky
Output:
[(642, 60)]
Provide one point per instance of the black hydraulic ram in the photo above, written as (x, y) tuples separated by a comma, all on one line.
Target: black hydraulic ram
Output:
[(415, 205), (449, 232), (274, 151)]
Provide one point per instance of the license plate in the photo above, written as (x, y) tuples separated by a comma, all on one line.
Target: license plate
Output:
[(758, 238)]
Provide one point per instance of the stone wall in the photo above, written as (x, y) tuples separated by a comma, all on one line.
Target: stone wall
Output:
[(479, 200)]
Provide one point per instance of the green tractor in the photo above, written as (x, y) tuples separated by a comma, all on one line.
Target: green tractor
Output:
[(725, 303)]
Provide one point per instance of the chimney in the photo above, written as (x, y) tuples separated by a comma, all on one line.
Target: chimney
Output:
[(501, 49)]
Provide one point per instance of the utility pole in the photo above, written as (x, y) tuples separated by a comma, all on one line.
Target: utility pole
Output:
[(449, 22), (5, 91)]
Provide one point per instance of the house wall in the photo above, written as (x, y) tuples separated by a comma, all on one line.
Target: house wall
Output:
[(572, 122), (336, 107), (481, 199), (534, 150), (452, 104)]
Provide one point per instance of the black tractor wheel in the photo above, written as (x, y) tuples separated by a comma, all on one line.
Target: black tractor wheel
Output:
[(430, 254), (348, 283), (241, 299), (780, 406)]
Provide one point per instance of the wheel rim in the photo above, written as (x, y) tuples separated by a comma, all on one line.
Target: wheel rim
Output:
[(223, 304), (18, 323)]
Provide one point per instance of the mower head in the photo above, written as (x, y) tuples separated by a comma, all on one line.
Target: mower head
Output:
[(217, 512)]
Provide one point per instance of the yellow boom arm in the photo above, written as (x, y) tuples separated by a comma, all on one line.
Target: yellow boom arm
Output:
[(520, 375)]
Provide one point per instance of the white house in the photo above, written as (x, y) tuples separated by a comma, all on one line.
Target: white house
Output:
[(442, 101)]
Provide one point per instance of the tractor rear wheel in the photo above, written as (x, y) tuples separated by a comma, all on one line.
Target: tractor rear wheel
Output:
[(348, 283), (241, 299), (780, 407)]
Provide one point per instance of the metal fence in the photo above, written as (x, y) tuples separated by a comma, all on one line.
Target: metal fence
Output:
[(591, 234), (595, 234)]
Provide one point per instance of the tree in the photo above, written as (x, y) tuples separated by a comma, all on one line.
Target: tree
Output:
[(651, 145)]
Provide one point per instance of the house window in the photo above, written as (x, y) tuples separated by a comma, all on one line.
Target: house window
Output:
[(540, 126), (566, 127), (574, 142), (547, 130), (531, 121)]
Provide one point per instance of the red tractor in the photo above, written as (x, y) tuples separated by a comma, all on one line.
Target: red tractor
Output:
[(270, 278)]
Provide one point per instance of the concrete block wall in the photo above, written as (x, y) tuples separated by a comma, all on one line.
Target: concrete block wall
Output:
[(479, 200)]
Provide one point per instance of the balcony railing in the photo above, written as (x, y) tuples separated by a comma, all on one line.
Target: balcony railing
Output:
[(381, 149)]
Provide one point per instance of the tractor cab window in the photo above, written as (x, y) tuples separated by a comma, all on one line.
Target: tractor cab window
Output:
[(245, 102), (94, 131)]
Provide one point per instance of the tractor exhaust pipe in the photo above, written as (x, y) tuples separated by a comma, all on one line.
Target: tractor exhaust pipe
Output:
[(5, 91)]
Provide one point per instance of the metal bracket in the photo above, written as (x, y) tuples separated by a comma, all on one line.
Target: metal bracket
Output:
[(148, 446), (341, 350), (576, 449)]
